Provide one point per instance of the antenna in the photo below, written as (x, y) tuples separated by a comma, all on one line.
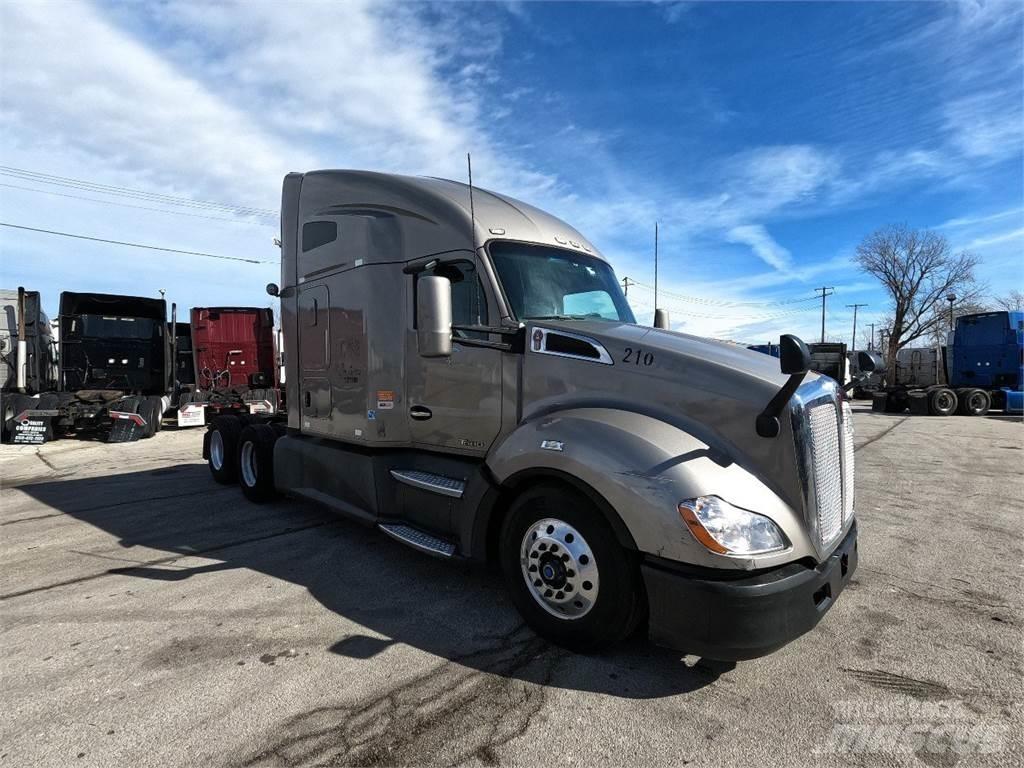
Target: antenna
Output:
[(655, 266), (472, 227)]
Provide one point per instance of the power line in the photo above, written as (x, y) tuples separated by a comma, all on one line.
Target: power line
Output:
[(135, 245), (722, 303), (124, 205), (110, 189)]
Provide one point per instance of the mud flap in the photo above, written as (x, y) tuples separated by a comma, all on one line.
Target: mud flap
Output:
[(125, 427), (32, 427)]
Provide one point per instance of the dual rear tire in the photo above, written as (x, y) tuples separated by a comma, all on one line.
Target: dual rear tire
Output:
[(241, 451)]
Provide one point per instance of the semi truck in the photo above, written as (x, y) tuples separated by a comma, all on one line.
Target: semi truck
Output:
[(234, 364), (114, 372), (465, 374), (28, 355), (984, 370)]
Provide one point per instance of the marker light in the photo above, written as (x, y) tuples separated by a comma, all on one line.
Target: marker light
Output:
[(729, 530)]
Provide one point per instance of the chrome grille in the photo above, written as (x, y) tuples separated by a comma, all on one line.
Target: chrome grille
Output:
[(823, 431), (847, 463), (826, 466)]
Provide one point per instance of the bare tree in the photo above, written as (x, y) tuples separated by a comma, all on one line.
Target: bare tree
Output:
[(918, 269), (1011, 302)]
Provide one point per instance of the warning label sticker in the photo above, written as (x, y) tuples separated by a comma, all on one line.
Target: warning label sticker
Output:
[(385, 400)]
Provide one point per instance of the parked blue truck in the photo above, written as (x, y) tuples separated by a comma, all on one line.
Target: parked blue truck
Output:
[(984, 371)]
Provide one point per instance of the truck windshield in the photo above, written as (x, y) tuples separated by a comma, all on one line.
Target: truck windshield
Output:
[(541, 282)]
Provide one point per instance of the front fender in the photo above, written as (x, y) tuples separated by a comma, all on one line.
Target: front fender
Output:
[(643, 467)]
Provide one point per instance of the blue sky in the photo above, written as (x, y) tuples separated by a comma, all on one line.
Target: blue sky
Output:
[(767, 139)]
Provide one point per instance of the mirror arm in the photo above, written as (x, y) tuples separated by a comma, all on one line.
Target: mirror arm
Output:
[(767, 423)]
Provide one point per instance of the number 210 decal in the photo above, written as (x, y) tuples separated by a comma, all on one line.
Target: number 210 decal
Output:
[(638, 357)]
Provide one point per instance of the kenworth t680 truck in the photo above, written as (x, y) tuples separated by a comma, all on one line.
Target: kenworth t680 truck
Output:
[(464, 373)]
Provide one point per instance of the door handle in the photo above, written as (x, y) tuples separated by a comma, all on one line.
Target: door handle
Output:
[(420, 412)]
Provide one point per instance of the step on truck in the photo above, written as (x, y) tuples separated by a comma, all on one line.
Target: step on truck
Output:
[(28, 359), (980, 370), (114, 371), (234, 363), (466, 375)]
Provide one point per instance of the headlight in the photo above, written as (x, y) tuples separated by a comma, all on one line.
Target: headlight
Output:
[(729, 530)]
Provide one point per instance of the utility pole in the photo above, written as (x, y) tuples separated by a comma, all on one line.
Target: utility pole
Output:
[(871, 347), (626, 282), (853, 345), (825, 291)]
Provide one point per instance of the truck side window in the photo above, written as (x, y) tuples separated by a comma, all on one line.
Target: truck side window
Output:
[(317, 233), (469, 303)]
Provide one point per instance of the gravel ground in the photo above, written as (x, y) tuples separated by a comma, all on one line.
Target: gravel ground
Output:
[(152, 617)]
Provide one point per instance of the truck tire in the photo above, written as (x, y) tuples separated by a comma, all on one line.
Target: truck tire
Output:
[(942, 401), (569, 577), (975, 402), (256, 462), (149, 410), (223, 448)]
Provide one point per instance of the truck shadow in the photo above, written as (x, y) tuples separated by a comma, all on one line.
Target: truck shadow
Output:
[(456, 611)]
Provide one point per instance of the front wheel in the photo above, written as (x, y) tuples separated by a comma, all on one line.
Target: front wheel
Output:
[(571, 580)]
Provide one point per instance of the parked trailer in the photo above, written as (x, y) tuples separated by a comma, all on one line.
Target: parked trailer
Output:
[(28, 356), (234, 364), (985, 371), (478, 388), (830, 359), (114, 371), (765, 349)]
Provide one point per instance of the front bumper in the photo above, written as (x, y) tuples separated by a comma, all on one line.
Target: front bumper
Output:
[(738, 616)]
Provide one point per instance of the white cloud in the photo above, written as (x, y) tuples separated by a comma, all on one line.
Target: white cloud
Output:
[(75, 84), (757, 237)]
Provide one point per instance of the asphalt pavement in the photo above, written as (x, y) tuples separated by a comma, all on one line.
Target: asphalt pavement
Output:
[(151, 617)]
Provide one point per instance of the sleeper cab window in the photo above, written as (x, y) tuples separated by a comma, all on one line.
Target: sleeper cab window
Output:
[(319, 249)]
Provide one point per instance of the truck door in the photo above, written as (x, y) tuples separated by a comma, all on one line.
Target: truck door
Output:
[(314, 358), (454, 403)]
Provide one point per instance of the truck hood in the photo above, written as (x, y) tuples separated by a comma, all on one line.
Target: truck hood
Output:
[(712, 390)]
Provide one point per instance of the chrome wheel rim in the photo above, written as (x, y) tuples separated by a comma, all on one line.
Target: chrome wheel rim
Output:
[(559, 568), (249, 464), (217, 450)]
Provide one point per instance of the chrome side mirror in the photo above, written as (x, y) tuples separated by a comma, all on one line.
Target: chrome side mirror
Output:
[(434, 316)]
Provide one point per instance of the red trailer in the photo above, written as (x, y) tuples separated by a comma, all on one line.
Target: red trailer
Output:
[(235, 362)]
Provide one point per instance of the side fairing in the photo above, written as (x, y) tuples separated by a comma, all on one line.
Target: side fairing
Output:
[(643, 468)]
